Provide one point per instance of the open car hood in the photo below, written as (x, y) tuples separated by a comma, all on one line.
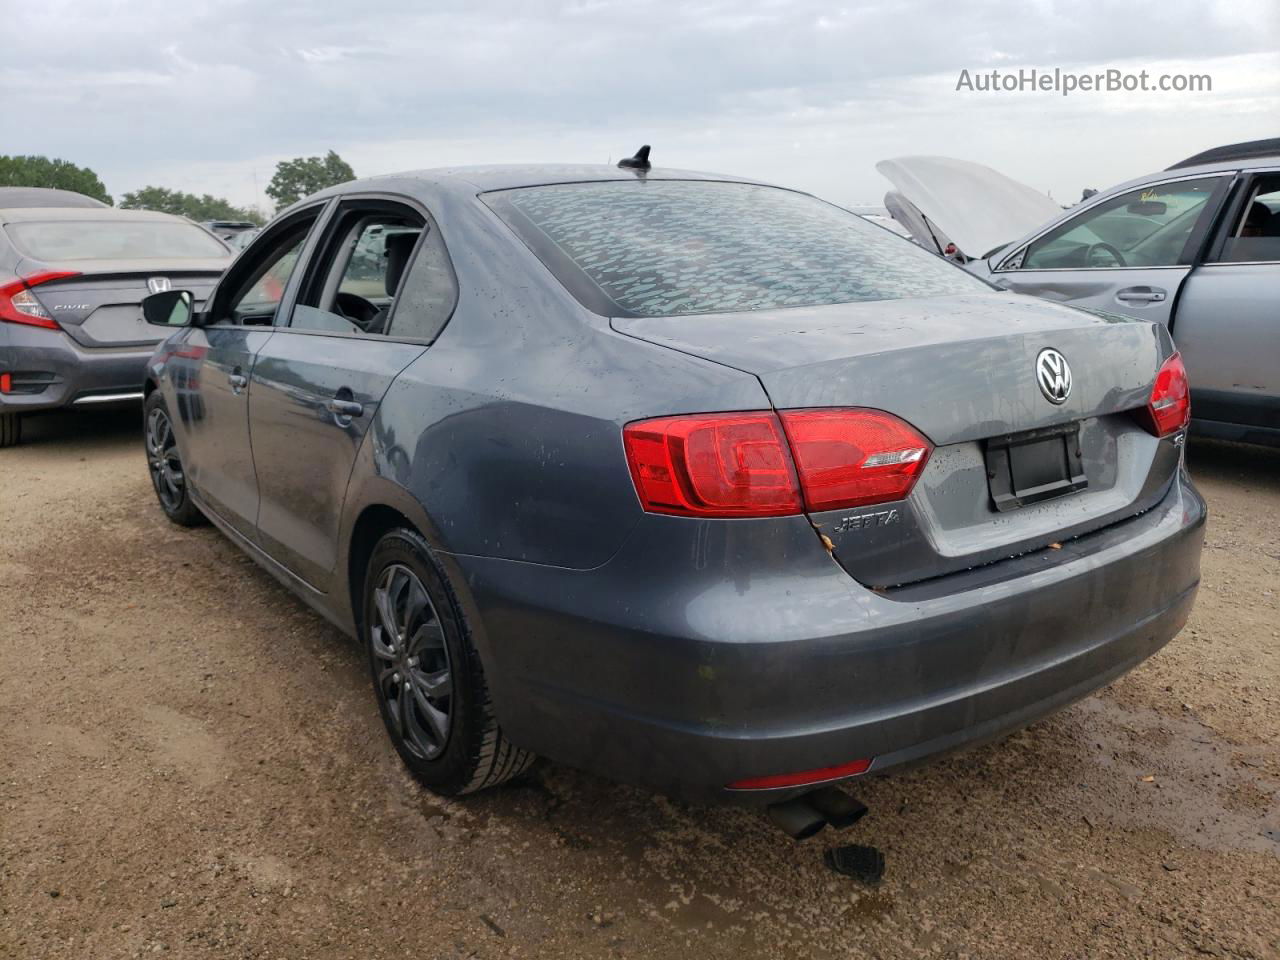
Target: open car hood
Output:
[(971, 205)]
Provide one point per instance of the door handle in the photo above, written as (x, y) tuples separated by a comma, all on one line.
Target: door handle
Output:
[(238, 382), (1141, 295), (345, 408)]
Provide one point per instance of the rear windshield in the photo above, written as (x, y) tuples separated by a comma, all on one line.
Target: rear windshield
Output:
[(112, 240), (647, 248)]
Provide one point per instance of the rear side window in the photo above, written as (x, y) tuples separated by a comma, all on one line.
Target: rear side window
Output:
[(427, 294), (113, 240), (647, 248)]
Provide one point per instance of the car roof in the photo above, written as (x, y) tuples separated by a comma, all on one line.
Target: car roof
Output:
[(479, 179), (1223, 166), (46, 197), (46, 214), (1185, 173), (1266, 150)]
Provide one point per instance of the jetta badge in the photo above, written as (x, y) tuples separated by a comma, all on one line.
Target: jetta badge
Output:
[(159, 285), (1053, 375)]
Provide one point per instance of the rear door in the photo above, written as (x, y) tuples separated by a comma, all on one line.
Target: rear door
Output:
[(360, 318), (1128, 254), (209, 371), (1227, 322)]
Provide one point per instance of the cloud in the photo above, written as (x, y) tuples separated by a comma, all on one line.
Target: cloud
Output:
[(209, 96)]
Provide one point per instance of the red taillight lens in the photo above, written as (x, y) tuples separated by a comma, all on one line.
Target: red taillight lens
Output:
[(19, 305), (760, 465), (713, 465), (851, 458), (1169, 408)]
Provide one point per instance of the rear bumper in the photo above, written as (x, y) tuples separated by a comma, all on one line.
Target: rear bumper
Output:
[(689, 670), (1238, 432), (50, 370)]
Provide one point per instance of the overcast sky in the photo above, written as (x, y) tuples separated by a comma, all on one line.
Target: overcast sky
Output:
[(208, 95)]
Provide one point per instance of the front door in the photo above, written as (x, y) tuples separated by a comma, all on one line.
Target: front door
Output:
[(209, 373), (318, 382), (1127, 255), (211, 368)]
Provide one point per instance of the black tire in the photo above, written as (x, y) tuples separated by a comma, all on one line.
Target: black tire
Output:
[(164, 464), (10, 429), (472, 753)]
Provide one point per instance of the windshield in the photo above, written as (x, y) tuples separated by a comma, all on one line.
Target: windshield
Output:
[(113, 240), (671, 247), (1148, 227)]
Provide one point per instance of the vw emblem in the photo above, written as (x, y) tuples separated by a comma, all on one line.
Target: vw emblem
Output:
[(159, 285), (1053, 375)]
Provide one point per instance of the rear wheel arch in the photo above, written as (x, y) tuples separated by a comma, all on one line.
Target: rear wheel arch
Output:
[(373, 523), (487, 756)]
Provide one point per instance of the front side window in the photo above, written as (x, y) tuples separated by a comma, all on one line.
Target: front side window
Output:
[(1148, 227), (55, 240), (262, 297), (673, 247), (257, 280)]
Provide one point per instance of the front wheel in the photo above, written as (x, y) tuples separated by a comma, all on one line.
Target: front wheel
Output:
[(427, 675), (10, 429), (165, 464)]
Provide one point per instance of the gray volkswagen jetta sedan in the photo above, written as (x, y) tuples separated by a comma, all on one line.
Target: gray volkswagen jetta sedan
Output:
[(692, 481)]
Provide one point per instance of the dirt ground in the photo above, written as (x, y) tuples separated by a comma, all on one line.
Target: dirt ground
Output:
[(192, 763)]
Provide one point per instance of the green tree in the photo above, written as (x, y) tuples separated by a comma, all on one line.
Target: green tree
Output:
[(204, 207), (35, 171), (303, 176)]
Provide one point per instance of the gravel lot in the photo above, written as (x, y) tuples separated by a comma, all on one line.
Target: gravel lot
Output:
[(192, 763)]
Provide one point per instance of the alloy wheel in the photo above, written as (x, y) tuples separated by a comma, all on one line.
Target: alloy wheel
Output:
[(163, 460), (412, 665)]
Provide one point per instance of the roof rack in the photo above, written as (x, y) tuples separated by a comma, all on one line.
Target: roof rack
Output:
[(1233, 151)]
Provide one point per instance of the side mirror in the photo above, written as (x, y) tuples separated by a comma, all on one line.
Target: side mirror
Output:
[(173, 308)]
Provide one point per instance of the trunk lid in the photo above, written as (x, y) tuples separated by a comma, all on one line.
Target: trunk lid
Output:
[(962, 370), (100, 307)]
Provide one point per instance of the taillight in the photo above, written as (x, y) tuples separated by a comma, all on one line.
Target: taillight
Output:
[(19, 305), (1169, 408), (763, 464), (713, 465), (851, 458)]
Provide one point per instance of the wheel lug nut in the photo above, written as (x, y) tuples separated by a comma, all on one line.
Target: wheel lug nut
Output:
[(396, 676)]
